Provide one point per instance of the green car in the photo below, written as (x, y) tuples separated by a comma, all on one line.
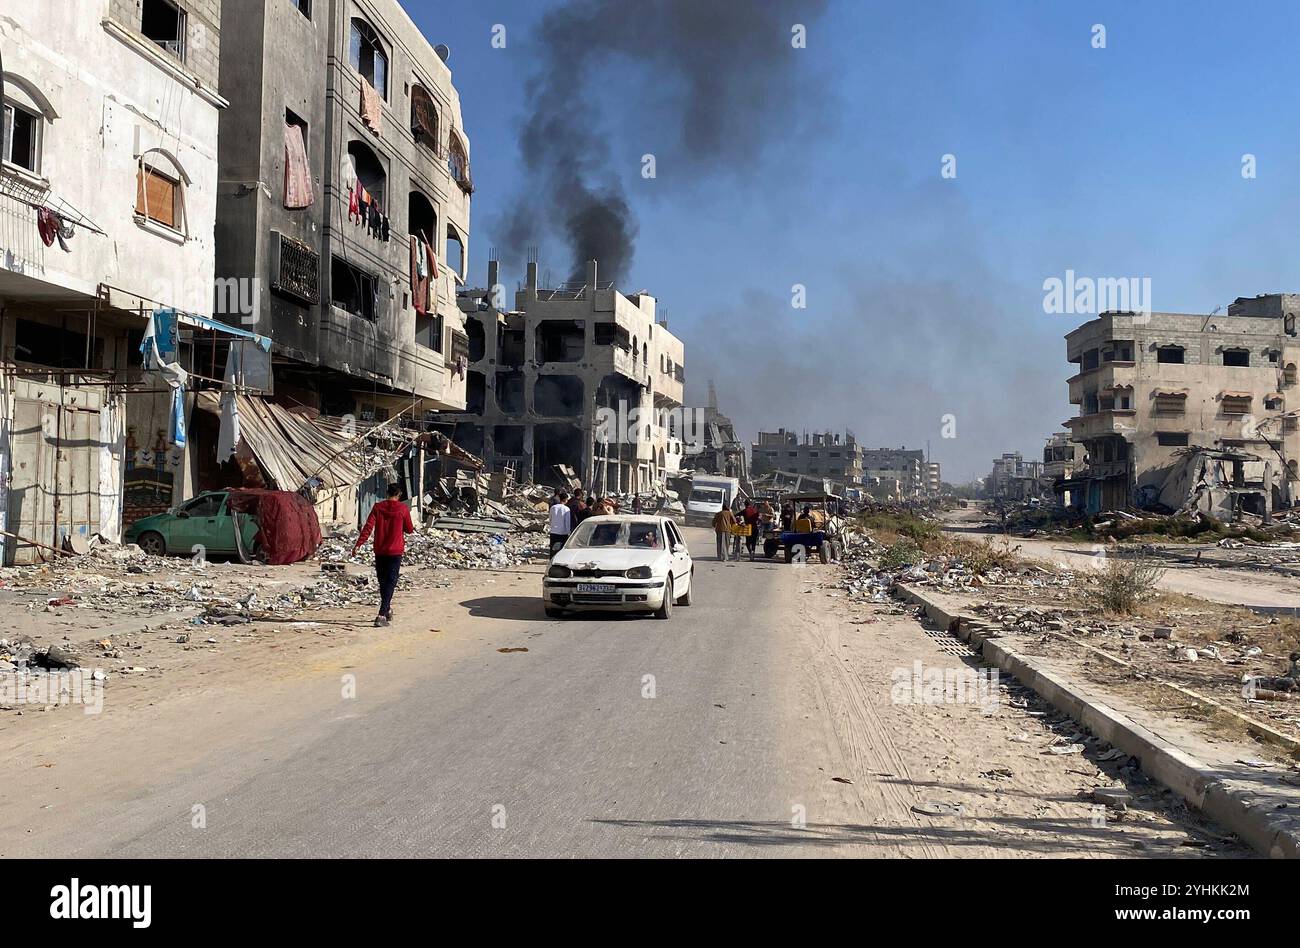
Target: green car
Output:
[(204, 522)]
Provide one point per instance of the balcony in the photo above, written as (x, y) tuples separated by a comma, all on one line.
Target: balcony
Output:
[(1105, 376), (1118, 421)]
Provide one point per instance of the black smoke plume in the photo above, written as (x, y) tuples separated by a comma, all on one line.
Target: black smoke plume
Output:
[(715, 83)]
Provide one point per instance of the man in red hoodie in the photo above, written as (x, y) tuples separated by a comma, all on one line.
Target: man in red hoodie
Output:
[(390, 520)]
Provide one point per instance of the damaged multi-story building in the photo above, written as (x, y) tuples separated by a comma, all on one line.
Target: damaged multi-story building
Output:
[(716, 447), (1013, 478), (576, 376), (343, 215), (1061, 457), (820, 454), (107, 203), (1163, 396), (895, 471)]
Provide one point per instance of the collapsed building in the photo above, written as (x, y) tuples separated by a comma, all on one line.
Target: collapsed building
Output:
[(1015, 479), (1181, 409), (719, 449), (574, 378)]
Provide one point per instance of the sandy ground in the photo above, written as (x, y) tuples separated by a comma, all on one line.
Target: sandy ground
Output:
[(780, 721)]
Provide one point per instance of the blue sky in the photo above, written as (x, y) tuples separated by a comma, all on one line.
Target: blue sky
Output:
[(925, 294)]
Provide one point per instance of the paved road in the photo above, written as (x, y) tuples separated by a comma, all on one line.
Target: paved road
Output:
[(762, 720)]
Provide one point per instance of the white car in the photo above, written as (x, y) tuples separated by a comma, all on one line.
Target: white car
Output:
[(624, 564)]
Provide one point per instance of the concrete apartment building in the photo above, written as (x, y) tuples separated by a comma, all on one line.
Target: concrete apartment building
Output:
[(1061, 458), (1014, 478), (882, 466), (107, 201), (933, 478), (821, 454), (316, 242), (1150, 387), (578, 375)]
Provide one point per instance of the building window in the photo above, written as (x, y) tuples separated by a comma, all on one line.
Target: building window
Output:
[(304, 7), (424, 117), (455, 253), (353, 290), (1170, 355), (1171, 439), (370, 174), (158, 196), (366, 53), (162, 22), (1236, 404), (22, 137), (1289, 374), (1238, 358), (458, 163), (1170, 404), (296, 270)]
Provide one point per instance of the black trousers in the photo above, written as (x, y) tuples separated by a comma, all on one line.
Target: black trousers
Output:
[(387, 569)]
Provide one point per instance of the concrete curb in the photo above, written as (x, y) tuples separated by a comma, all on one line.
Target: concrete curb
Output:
[(1252, 815)]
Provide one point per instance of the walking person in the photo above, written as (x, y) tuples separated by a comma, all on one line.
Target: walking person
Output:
[(724, 521), (578, 509), (561, 521), (751, 517), (390, 521)]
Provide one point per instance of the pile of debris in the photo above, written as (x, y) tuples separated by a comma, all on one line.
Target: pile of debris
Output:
[(461, 544)]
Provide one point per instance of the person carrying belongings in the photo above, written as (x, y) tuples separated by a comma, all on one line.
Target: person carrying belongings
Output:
[(751, 518), (390, 521), (724, 523)]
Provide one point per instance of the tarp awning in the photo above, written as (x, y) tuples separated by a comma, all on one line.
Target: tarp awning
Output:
[(1236, 394), (291, 448)]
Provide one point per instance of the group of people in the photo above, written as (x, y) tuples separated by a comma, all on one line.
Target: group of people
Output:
[(756, 515), (568, 510)]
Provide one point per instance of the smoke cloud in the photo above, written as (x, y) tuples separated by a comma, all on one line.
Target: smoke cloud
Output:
[(715, 74)]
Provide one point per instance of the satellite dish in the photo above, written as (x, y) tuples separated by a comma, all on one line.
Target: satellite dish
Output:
[(443, 51)]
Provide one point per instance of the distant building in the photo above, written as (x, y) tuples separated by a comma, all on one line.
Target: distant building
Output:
[(908, 467), (713, 446), (823, 454), (1150, 387)]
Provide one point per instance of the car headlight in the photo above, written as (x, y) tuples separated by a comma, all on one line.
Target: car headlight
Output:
[(559, 572), (639, 572)]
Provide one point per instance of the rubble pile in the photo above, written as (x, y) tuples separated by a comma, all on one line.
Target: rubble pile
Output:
[(434, 548)]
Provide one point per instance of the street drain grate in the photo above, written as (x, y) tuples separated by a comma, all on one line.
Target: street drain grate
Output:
[(952, 646)]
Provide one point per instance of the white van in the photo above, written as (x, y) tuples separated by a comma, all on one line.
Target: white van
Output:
[(709, 495)]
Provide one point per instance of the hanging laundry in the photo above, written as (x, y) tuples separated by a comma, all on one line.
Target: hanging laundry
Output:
[(354, 202), (65, 233), (47, 222), (298, 190), (372, 110), (419, 277)]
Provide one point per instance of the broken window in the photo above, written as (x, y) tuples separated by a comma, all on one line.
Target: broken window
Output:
[(1118, 351), (421, 218), (510, 348), (354, 291), (509, 440), (366, 53), (48, 345), (510, 392), (1091, 359), (304, 7), (558, 395), (475, 392), (162, 22), (22, 137), (455, 253), (370, 171), (1239, 358), (1172, 439), (560, 340), (1170, 355), (1289, 374), (477, 339), (606, 333)]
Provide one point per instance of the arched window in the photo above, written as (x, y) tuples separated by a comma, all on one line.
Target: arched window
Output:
[(455, 253), (369, 171), (422, 219), (160, 190), (424, 117), (26, 113), (458, 162), (366, 53)]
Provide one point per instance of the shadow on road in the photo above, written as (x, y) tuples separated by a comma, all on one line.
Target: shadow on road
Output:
[(529, 609)]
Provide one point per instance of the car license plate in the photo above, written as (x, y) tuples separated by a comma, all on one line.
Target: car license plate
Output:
[(596, 587)]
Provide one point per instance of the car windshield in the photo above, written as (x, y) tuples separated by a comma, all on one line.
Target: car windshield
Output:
[(635, 534), (707, 495)]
